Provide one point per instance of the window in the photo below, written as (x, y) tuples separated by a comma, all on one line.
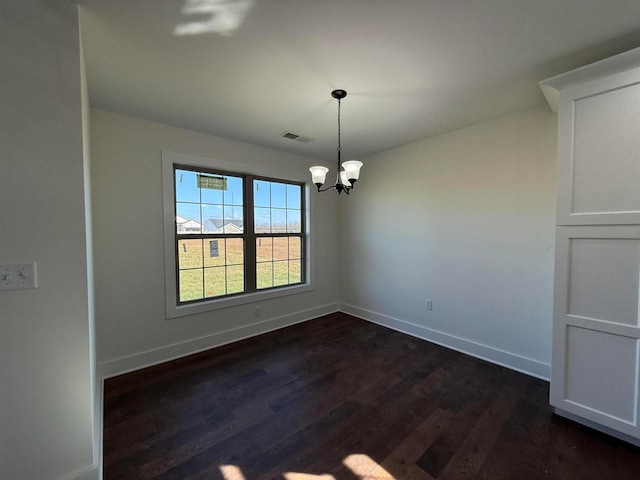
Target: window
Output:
[(277, 213), (209, 214), (234, 236)]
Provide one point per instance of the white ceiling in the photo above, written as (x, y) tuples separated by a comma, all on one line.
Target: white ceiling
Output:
[(252, 69)]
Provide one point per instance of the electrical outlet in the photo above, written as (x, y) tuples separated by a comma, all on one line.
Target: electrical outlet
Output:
[(18, 276), (428, 304), (257, 312)]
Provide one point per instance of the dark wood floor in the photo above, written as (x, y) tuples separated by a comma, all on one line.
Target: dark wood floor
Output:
[(341, 398)]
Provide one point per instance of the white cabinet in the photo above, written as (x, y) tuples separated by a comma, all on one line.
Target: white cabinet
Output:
[(595, 370), (596, 347)]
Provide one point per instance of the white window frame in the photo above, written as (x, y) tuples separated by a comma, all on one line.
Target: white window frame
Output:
[(173, 308)]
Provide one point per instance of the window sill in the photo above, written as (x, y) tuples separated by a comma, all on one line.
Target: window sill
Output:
[(178, 311)]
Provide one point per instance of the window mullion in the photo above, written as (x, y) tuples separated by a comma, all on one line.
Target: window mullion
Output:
[(250, 237)]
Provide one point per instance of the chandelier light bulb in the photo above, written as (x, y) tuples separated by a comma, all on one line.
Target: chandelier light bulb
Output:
[(318, 174)]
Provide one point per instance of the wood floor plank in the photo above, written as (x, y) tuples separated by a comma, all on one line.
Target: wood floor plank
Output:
[(469, 457), (402, 461), (525, 436)]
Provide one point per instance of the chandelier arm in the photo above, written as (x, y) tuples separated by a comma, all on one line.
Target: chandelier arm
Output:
[(345, 188)]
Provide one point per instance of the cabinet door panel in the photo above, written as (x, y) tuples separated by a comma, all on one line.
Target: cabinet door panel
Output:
[(606, 146), (604, 279), (599, 154), (602, 373)]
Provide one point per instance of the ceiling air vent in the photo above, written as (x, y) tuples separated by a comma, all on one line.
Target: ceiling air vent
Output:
[(298, 138)]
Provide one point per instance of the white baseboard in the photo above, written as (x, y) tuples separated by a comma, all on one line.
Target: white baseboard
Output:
[(118, 366), (597, 426), (510, 360)]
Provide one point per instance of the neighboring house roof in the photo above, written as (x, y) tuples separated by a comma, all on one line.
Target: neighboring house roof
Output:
[(213, 225), (191, 224), (187, 225), (231, 228)]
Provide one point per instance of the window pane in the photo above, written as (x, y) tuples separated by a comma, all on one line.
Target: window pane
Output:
[(187, 186), (214, 252), (233, 193), (233, 221), (278, 195), (278, 221), (212, 218), (209, 195), (264, 249), (294, 221), (280, 273), (235, 251), (264, 274), (189, 254), (211, 187), (295, 248), (295, 271), (261, 193), (215, 281), (235, 279), (190, 285), (281, 248), (188, 218), (294, 196), (262, 220)]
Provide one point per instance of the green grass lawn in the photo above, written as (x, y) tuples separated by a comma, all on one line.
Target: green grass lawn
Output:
[(212, 270)]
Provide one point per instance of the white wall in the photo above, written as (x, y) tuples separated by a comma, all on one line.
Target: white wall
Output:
[(45, 345), (131, 326), (467, 220)]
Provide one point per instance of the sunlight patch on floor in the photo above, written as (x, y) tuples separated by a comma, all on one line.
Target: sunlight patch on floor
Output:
[(231, 472), (306, 476), (366, 468), (362, 466)]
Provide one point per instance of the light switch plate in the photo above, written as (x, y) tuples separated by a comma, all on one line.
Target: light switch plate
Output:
[(18, 276)]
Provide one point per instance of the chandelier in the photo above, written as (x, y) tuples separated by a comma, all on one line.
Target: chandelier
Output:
[(348, 173)]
